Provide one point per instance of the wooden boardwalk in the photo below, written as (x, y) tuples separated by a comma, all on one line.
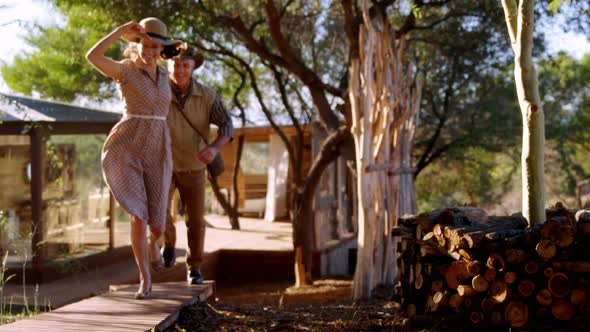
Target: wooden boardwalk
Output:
[(118, 310), (256, 234)]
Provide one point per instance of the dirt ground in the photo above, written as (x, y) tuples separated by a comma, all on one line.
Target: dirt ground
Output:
[(325, 306)]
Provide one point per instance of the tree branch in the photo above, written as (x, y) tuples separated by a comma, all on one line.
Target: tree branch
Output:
[(308, 77), (511, 16)]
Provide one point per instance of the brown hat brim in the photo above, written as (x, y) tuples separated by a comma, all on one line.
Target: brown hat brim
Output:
[(191, 53)]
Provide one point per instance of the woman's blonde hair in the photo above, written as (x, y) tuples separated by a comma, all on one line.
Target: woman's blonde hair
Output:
[(131, 52)]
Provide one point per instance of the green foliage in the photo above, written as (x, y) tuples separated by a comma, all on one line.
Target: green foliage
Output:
[(564, 84), (554, 5), (479, 178), (57, 68)]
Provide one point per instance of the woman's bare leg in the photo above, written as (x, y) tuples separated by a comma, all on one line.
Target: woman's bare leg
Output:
[(154, 248), (140, 249)]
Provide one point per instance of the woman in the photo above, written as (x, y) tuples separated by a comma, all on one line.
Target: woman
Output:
[(136, 157)]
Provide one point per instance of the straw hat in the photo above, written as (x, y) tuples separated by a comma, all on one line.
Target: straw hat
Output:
[(155, 30)]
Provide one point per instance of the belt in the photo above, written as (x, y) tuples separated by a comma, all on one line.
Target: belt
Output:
[(148, 117)]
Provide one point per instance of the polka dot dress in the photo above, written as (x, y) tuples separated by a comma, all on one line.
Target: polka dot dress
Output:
[(136, 156)]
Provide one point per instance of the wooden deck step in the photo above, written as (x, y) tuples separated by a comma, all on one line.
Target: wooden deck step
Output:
[(118, 310)]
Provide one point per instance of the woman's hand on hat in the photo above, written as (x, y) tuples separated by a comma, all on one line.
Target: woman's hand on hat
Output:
[(132, 28)]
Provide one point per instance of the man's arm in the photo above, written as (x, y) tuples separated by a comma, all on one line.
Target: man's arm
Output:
[(219, 117)]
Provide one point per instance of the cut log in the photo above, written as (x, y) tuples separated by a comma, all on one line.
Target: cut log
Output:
[(550, 226), (532, 235), (531, 267), (440, 299), (496, 318), (467, 215), (472, 239), (501, 234), (457, 272), (526, 288), (559, 285), (455, 302), (582, 217), (407, 220), (437, 285), (510, 277), (546, 249), (430, 251), (429, 236), (516, 314), (542, 312), (490, 275), (430, 306), (496, 262), (578, 267), (427, 220), (579, 296), (473, 268), (499, 291), (465, 290), (479, 283), (419, 281), (516, 256), (544, 297), (476, 317), (548, 272), (516, 240), (466, 255), (487, 304), (514, 221), (584, 229), (563, 310), (401, 231), (583, 221), (438, 230), (560, 230)]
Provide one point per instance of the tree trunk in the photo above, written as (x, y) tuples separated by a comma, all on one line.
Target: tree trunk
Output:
[(225, 204), (302, 213), (520, 22)]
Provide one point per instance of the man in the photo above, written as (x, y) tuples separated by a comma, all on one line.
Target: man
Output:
[(193, 108)]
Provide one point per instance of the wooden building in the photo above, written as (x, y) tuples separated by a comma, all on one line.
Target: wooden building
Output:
[(46, 227), (266, 194)]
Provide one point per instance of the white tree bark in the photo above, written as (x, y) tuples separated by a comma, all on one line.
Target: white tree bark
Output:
[(383, 100), (520, 23)]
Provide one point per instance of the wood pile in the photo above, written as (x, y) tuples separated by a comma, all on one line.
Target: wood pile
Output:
[(494, 271)]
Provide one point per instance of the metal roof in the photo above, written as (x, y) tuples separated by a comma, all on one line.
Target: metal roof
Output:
[(24, 109)]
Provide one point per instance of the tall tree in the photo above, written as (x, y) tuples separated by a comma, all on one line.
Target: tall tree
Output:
[(520, 23)]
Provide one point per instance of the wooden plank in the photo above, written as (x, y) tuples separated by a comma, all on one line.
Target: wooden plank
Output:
[(118, 310)]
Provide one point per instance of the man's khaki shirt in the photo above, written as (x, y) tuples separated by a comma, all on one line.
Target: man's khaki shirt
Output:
[(202, 107)]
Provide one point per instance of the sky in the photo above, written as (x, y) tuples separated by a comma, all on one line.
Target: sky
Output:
[(16, 15)]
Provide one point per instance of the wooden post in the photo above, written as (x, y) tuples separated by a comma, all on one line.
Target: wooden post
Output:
[(38, 229), (384, 98)]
